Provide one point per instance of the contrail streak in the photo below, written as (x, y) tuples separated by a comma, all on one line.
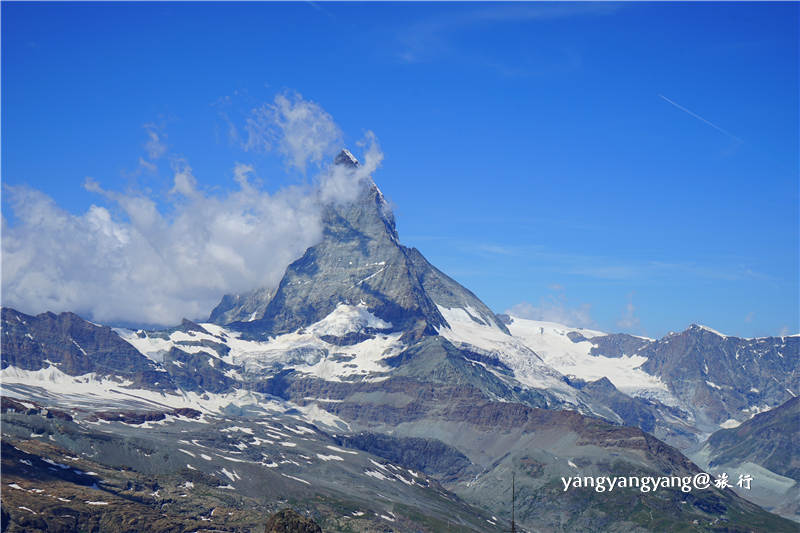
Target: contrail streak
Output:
[(698, 117)]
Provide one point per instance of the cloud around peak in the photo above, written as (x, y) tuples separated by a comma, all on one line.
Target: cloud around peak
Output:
[(137, 259), (298, 129)]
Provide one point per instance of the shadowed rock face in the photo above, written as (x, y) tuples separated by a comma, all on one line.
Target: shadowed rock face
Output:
[(770, 439), (766, 447), (194, 372), (75, 347), (426, 455), (616, 345), (288, 521), (242, 307)]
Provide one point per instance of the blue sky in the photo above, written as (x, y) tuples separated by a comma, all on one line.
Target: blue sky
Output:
[(632, 167)]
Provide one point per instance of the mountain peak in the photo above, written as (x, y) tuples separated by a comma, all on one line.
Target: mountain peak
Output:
[(700, 327), (359, 261), (345, 157)]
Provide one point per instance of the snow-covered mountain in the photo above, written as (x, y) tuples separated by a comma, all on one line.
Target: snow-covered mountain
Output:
[(369, 345)]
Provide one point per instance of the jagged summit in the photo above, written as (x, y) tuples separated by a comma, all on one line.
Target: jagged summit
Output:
[(701, 327), (345, 158), (359, 261)]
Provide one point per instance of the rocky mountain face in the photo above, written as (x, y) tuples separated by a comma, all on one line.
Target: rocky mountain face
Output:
[(242, 307), (368, 372), (635, 412), (769, 439), (75, 347), (360, 259), (726, 377), (766, 447), (439, 451), (717, 378)]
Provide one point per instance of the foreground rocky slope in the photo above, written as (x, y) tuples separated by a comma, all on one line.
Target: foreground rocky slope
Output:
[(87, 469), (190, 471)]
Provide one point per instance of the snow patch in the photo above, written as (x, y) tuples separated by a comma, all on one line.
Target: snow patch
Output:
[(715, 332), (233, 476), (249, 431), (329, 457), (296, 479), (348, 319), (376, 475), (335, 449)]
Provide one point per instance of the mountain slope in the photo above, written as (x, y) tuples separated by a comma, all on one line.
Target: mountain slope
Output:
[(770, 439), (725, 378), (89, 470), (767, 447)]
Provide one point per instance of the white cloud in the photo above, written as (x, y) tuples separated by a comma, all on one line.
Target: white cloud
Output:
[(299, 129), (136, 262), (242, 173), (339, 183), (154, 146), (151, 268), (184, 181)]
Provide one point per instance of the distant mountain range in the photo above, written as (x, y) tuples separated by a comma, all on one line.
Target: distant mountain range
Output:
[(370, 391)]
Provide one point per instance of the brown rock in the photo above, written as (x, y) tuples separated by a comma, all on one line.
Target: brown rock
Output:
[(288, 521)]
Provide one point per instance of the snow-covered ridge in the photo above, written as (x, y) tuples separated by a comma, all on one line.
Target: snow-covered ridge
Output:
[(51, 385), (710, 330), (303, 350), (57, 381), (724, 336), (528, 367), (541, 352), (349, 156), (90, 388), (558, 329), (553, 344)]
